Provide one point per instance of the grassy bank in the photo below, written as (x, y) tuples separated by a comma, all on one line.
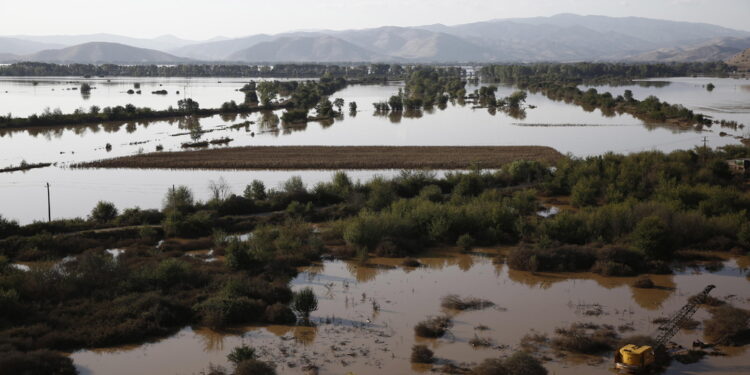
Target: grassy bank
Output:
[(335, 157)]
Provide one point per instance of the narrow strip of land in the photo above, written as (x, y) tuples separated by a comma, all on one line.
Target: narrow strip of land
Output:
[(334, 157)]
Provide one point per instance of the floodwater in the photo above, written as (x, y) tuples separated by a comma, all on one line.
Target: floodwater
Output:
[(567, 128), (367, 313)]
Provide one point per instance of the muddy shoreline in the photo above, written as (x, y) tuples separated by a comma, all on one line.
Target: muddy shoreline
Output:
[(331, 157)]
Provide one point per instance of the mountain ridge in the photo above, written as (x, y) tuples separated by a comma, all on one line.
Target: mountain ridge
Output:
[(560, 38)]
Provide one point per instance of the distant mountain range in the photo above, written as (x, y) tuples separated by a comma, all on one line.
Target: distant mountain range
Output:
[(101, 52), (564, 37)]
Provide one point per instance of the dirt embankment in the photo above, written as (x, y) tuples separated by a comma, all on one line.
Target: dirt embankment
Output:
[(334, 157)]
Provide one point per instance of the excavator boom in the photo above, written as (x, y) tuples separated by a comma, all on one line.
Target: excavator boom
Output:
[(670, 328)]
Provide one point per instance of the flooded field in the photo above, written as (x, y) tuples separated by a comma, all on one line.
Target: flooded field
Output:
[(366, 315), (567, 128)]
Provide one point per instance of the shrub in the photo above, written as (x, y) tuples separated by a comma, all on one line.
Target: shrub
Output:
[(455, 302), (241, 353), (644, 283), (8, 227), (103, 213), (728, 326), (651, 236), (432, 193), (465, 242), (434, 327), (305, 302), (137, 216), (279, 313), (522, 363), (178, 199), (221, 311), (254, 367), (40, 362), (171, 272), (421, 354), (585, 338)]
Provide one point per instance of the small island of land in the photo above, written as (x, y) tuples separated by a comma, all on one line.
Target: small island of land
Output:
[(334, 157)]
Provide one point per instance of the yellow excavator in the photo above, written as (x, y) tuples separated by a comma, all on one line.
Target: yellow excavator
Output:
[(639, 359)]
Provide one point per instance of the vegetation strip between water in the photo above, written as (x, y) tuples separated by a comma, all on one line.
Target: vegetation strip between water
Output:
[(334, 157)]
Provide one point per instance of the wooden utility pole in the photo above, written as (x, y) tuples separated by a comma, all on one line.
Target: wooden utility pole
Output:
[(49, 207)]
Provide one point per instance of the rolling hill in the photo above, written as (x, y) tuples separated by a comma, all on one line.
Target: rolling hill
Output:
[(161, 43), (715, 50), (99, 52), (741, 60), (304, 49)]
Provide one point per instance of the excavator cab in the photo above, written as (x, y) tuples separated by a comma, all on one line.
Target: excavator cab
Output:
[(634, 358)]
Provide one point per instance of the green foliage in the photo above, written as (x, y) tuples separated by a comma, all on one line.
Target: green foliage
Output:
[(38, 362), (103, 212), (256, 190), (651, 236), (8, 227), (241, 353), (305, 302), (465, 242), (254, 367), (178, 199)]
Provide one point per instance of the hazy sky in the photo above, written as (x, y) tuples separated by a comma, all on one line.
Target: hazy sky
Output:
[(203, 19)]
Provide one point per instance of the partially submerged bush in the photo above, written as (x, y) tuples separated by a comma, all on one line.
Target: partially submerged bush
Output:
[(411, 262), (305, 302), (240, 354), (643, 283), (434, 327), (254, 367), (279, 313), (728, 326), (585, 338), (465, 242), (421, 354), (520, 363), (40, 362), (455, 302)]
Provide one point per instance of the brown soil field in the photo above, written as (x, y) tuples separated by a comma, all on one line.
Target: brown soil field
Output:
[(334, 157)]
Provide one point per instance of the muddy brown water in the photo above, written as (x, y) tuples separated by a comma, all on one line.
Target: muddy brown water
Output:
[(352, 336)]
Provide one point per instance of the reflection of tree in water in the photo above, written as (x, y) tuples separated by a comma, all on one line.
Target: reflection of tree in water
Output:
[(654, 298), (211, 340), (130, 127), (326, 123), (305, 335), (188, 122), (366, 272), (293, 127), (268, 120), (465, 262), (535, 280), (413, 113), (228, 117), (517, 113)]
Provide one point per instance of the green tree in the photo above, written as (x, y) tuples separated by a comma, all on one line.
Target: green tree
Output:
[(305, 302), (651, 235), (178, 199), (103, 212), (338, 103), (256, 191)]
